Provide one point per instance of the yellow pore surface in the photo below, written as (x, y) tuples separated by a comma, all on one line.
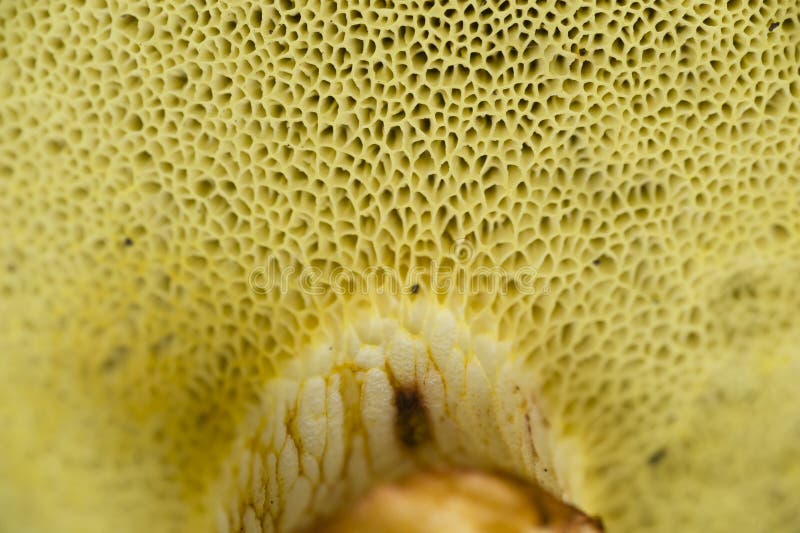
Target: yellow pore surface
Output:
[(632, 167)]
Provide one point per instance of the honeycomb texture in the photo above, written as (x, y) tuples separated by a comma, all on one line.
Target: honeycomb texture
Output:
[(643, 158)]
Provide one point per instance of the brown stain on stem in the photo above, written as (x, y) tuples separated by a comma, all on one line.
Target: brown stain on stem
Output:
[(412, 423)]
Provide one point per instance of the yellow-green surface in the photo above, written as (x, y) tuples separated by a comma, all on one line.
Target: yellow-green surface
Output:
[(633, 167)]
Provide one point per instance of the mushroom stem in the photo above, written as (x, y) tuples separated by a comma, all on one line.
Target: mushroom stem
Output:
[(393, 393)]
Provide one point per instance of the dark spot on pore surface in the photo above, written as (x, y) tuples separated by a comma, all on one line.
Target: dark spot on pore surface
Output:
[(128, 241), (162, 344), (202, 419), (774, 25), (411, 424), (415, 288), (657, 456), (115, 357)]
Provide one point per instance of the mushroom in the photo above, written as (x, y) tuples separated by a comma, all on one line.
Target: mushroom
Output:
[(260, 257)]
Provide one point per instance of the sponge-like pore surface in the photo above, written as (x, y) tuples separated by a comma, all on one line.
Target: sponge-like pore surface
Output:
[(635, 164)]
